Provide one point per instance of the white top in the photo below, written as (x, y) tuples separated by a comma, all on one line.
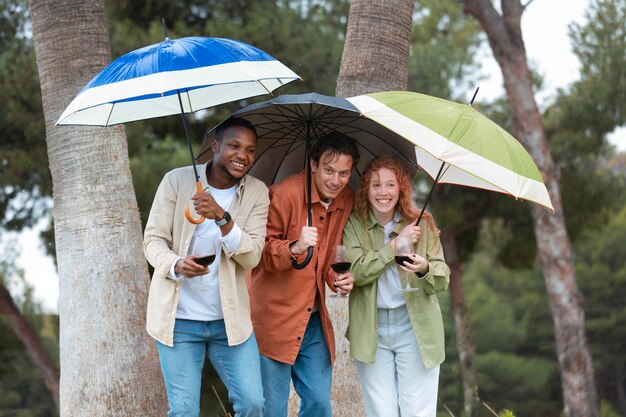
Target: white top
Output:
[(200, 296), (389, 284)]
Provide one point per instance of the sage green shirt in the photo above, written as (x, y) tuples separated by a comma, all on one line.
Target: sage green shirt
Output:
[(370, 256)]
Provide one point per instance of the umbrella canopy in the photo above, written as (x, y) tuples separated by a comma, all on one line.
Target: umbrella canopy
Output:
[(147, 82), (176, 76), (455, 144), (287, 123)]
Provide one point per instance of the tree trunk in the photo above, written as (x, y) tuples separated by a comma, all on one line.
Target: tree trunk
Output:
[(109, 365), (553, 244), (375, 58), (31, 341), (376, 51), (464, 342)]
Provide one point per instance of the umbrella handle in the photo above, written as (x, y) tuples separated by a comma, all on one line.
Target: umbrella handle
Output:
[(306, 261), (188, 213)]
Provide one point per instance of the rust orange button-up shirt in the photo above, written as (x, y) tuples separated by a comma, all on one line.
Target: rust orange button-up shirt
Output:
[(281, 297)]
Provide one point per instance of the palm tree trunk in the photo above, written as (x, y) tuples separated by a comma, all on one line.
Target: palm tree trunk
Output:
[(109, 365), (376, 51), (553, 244), (375, 58), (31, 342)]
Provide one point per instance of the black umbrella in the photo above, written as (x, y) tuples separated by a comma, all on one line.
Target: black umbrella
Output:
[(288, 125)]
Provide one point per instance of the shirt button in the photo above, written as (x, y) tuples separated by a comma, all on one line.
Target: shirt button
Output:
[(299, 338), (321, 217), (309, 309)]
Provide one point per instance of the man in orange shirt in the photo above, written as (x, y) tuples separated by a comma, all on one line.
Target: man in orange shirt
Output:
[(289, 315)]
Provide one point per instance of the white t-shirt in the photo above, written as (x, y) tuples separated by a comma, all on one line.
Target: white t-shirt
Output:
[(200, 296), (389, 284)]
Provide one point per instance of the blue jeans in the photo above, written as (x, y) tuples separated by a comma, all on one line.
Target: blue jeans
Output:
[(238, 367), (397, 384), (311, 374)]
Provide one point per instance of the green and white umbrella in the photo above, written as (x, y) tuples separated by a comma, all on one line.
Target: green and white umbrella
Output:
[(455, 144), (451, 142)]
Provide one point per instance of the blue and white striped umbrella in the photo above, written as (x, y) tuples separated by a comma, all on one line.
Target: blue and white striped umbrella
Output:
[(200, 72)]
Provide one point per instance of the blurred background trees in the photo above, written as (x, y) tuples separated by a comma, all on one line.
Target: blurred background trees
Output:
[(505, 296)]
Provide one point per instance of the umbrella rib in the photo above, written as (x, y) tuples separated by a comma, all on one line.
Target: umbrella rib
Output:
[(264, 87), (276, 145), (189, 100), (110, 114), (292, 147)]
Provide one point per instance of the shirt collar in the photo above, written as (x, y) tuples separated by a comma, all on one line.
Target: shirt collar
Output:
[(397, 218)]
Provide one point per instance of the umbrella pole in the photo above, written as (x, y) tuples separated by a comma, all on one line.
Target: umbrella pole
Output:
[(474, 96), (309, 253), (430, 193), (186, 127), (193, 162), (439, 173)]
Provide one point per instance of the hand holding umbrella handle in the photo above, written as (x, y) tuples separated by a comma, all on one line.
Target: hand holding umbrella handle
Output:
[(309, 255), (187, 212)]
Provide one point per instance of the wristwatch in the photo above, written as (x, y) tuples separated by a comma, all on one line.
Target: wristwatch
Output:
[(224, 219)]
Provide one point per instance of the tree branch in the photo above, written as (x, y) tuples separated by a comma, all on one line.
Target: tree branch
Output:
[(31, 341)]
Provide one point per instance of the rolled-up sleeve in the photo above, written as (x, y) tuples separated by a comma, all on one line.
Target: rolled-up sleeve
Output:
[(158, 240)]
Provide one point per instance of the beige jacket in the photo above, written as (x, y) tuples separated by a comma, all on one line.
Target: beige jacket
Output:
[(168, 235)]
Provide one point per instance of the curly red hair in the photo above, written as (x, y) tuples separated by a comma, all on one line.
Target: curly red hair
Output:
[(405, 204), (405, 201)]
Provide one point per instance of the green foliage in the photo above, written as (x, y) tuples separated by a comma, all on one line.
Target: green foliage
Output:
[(512, 331), (579, 120), (22, 391), (148, 167), (601, 267), (607, 410), (444, 49), (24, 173), (527, 379), (600, 44)]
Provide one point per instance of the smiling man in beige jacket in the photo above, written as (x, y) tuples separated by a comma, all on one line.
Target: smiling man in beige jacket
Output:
[(196, 311)]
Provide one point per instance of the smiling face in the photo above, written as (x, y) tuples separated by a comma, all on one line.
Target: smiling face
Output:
[(331, 174), (383, 194), (233, 156)]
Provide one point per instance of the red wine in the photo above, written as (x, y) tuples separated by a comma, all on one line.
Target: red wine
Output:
[(205, 260), (341, 267), (400, 260)]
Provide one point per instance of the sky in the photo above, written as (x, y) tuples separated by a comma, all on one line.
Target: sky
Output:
[(544, 27)]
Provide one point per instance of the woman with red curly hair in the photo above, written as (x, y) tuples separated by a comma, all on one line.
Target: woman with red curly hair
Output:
[(396, 335)]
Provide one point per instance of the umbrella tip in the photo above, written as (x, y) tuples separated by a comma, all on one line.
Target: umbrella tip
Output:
[(474, 96), (164, 27)]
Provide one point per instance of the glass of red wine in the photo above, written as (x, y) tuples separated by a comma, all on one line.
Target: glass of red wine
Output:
[(404, 248), (203, 253), (203, 250), (340, 263)]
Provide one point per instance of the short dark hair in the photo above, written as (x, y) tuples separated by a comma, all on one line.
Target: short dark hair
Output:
[(230, 122), (338, 144)]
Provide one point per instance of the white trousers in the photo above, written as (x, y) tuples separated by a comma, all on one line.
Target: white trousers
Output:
[(397, 384)]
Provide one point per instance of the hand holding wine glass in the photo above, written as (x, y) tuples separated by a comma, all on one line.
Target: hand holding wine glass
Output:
[(404, 251), (202, 255), (340, 264)]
